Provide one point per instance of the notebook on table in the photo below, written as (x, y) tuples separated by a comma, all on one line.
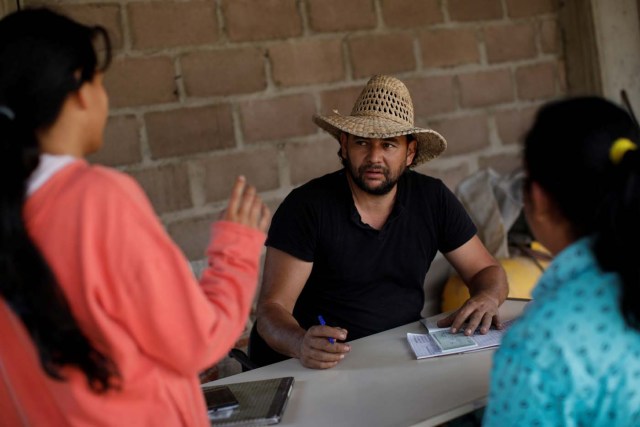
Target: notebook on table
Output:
[(260, 402)]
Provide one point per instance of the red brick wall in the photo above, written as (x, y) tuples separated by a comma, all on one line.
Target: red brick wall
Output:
[(204, 90)]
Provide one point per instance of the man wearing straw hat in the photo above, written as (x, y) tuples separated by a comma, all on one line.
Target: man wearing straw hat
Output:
[(352, 248)]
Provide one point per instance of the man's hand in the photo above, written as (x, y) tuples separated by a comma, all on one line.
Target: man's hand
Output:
[(479, 310), (317, 352), (487, 283)]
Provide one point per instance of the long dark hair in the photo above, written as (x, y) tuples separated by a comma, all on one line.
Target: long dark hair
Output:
[(568, 153), (43, 58)]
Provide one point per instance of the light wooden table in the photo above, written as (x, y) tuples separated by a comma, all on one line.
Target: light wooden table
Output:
[(380, 383)]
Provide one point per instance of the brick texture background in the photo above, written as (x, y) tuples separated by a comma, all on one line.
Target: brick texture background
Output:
[(203, 90)]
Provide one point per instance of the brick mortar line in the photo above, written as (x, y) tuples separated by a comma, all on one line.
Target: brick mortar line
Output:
[(346, 60), (377, 10), (196, 175), (201, 212), (222, 23), (178, 77), (284, 168), (505, 9), (192, 157), (125, 24), (494, 135), (417, 52), (145, 148), (304, 17), (482, 47), (444, 9), (237, 126), (212, 208)]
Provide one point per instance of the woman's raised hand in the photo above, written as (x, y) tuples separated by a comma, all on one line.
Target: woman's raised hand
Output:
[(246, 207)]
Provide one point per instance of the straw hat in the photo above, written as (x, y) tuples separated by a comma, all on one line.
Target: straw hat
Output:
[(383, 110)]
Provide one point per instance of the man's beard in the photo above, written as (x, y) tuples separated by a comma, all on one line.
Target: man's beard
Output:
[(390, 180)]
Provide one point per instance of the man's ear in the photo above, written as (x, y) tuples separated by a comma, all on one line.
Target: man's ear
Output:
[(343, 145), (412, 148)]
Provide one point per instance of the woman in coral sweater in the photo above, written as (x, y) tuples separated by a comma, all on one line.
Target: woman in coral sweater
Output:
[(101, 319)]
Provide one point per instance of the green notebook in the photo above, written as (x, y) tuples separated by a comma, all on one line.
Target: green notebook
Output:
[(260, 402)]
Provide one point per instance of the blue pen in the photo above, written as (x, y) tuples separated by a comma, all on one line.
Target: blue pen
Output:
[(323, 323)]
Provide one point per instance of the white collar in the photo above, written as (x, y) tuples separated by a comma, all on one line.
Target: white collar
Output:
[(48, 166)]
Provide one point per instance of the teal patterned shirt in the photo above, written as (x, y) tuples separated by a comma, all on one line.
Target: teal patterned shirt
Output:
[(570, 360)]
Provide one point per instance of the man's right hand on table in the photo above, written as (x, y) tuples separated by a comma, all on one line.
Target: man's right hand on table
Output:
[(317, 352)]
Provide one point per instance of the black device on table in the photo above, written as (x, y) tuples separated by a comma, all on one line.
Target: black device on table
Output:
[(220, 398)]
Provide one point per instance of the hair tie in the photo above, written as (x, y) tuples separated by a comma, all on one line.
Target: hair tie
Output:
[(620, 148), (7, 112)]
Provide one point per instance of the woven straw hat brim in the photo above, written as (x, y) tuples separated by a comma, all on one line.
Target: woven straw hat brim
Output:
[(430, 143)]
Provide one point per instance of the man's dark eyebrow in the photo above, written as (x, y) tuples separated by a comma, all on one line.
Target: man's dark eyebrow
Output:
[(392, 138)]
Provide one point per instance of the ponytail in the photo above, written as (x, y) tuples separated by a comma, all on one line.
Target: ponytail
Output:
[(40, 54), (617, 245)]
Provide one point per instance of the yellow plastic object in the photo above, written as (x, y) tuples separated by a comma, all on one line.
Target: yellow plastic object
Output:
[(536, 246), (522, 275)]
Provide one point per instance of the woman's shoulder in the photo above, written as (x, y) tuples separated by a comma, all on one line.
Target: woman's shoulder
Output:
[(107, 176), (99, 186), (107, 181)]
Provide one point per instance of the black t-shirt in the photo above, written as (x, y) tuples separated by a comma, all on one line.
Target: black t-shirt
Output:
[(364, 280)]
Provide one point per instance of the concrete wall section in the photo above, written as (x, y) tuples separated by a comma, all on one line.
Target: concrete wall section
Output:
[(618, 38)]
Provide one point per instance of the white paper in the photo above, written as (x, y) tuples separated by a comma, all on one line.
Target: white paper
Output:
[(453, 343), (491, 338), (431, 323), (424, 346)]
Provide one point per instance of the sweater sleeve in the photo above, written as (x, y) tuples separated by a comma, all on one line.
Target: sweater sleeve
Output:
[(150, 291)]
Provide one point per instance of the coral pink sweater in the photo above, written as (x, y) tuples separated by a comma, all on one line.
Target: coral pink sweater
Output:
[(135, 297)]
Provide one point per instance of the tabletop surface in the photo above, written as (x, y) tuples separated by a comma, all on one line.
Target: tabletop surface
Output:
[(380, 383)]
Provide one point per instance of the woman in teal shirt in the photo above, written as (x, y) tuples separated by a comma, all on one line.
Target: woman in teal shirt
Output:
[(573, 359)]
